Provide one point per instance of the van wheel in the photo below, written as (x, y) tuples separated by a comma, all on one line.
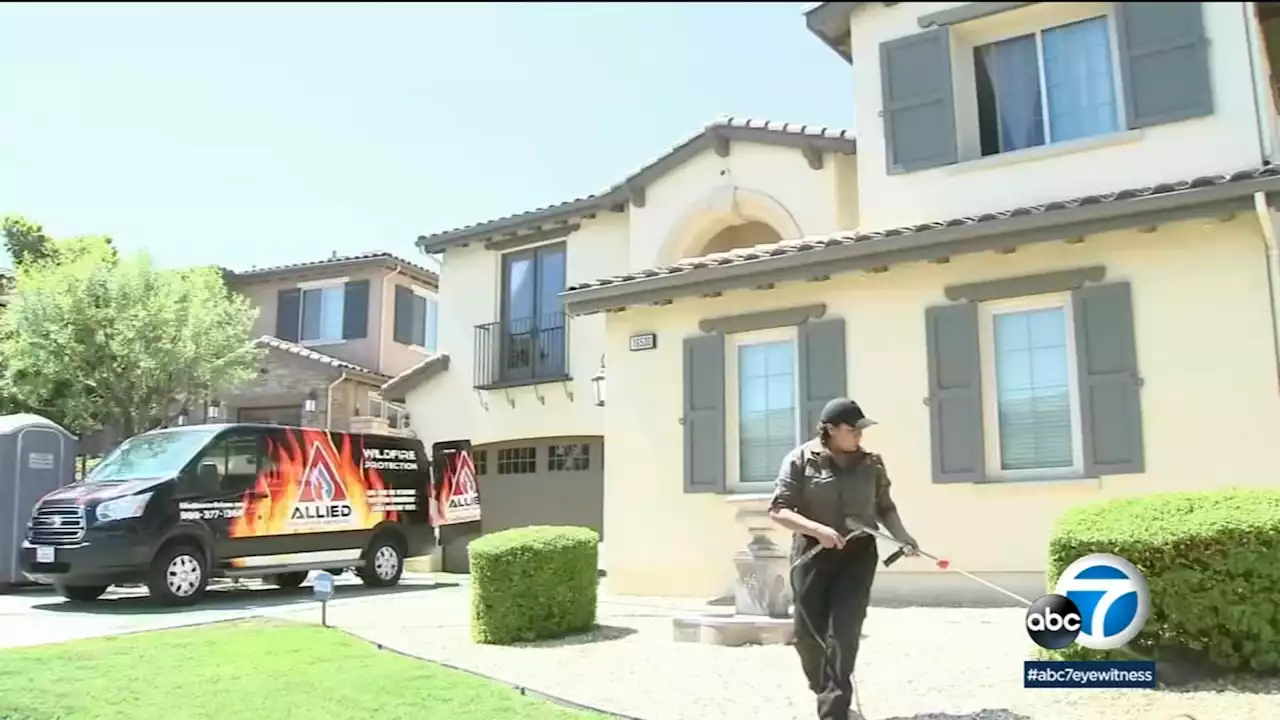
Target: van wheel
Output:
[(81, 593), (385, 563), (289, 580), (179, 576)]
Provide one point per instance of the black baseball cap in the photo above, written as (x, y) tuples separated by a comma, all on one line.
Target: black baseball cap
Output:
[(843, 411)]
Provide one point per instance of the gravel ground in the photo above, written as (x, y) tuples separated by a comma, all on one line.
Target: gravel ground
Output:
[(915, 664)]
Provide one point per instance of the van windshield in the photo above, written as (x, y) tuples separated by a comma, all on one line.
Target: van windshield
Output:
[(152, 455)]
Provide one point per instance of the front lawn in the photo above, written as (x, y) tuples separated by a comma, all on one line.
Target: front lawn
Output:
[(249, 671)]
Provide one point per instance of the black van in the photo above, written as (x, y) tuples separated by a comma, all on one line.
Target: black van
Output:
[(175, 507)]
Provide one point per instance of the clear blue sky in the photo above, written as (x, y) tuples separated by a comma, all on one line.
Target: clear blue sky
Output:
[(244, 134)]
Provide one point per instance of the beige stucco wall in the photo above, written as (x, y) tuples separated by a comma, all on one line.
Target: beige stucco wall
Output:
[(447, 407), (1226, 141), (775, 185), (1209, 402)]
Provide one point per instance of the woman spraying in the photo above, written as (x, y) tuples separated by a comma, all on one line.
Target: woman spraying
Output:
[(827, 488)]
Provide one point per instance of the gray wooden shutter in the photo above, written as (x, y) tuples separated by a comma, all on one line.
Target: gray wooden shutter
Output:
[(918, 101), (1164, 62), (419, 327), (1107, 362), (955, 393), (823, 370), (402, 332), (289, 314), (355, 310), (704, 420)]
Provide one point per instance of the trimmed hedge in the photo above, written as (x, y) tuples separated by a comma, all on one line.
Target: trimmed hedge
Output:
[(533, 583), (1212, 561)]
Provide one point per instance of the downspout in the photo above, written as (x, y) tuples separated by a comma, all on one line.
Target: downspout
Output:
[(1252, 27), (328, 401), (1265, 219)]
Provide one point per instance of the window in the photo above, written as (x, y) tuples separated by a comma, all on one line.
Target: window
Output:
[(322, 309), (236, 457), (518, 461), (1046, 87), (1030, 399), (533, 323), (762, 384), (480, 458), (417, 319), (574, 457)]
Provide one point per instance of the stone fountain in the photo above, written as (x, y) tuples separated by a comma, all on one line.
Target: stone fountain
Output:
[(762, 593)]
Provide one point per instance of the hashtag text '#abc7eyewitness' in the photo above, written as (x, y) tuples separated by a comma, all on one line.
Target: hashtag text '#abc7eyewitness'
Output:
[(1100, 602)]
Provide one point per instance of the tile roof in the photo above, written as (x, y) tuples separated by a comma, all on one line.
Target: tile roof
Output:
[(818, 242), (366, 257), (396, 387), (307, 353), (713, 135)]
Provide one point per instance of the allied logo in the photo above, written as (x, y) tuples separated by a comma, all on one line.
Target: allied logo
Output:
[(322, 497), (1100, 602)]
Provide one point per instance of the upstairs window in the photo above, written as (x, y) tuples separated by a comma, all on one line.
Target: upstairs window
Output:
[(1046, 87), (417, 319)]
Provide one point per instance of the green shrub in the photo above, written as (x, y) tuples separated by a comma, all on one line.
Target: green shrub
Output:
[(1212, 561), (533, 583)]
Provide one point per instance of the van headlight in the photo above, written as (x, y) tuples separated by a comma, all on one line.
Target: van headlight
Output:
[(123, 508)]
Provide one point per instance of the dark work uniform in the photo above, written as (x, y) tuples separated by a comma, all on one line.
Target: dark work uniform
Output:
[(833, 588)]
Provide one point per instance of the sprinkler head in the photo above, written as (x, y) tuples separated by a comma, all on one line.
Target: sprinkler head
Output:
[(944, 564)]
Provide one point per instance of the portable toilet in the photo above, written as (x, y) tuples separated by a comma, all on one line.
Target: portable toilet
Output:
[(37, 456)]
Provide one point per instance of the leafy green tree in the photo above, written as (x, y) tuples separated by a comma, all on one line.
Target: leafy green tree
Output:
[(26, 241), (95, 340)]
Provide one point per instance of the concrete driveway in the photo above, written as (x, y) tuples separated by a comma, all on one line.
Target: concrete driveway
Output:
[(38, 616)]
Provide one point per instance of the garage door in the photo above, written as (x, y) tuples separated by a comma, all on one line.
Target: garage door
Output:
[(547, 481)]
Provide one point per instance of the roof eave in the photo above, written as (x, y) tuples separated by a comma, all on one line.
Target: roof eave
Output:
[(428, 277), (927, 245), (830, 22), (632, 190)]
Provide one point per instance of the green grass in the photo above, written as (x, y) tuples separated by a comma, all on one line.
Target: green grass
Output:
[(247, 670)]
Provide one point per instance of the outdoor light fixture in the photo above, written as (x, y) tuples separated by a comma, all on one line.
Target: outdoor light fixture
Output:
[(213, 411), (309, 405), (597, 384), (182, 415)]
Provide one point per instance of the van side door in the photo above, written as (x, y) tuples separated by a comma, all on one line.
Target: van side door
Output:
[(227, 475)]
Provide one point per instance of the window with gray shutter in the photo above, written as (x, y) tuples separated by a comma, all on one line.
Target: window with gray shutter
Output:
[(955, 393), (402, 332), (823, 369), (1107, 362), (704, 414), (1164, 62), (918, 101), (289, 314), (355, 310)]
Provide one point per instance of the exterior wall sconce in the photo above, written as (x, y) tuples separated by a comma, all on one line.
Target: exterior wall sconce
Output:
[(309, 405), (214, 411), (598, 384), (183, 415)]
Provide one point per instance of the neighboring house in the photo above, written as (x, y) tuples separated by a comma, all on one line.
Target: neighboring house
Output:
[(335, 331)]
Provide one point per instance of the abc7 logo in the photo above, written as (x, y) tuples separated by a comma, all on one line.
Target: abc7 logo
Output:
[(1053, 622)]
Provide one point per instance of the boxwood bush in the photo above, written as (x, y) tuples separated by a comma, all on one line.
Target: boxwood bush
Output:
[(1212, 561), (533, 583)]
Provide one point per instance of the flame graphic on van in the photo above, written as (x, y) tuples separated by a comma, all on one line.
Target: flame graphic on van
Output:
[(310, 485)]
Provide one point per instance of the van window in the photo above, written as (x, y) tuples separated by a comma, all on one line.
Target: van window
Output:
[(237, 457), (151, 455)]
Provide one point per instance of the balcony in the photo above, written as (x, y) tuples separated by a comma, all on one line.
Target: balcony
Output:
[(522, 351)]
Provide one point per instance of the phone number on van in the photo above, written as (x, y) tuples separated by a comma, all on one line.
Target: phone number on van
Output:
[(210, 510)]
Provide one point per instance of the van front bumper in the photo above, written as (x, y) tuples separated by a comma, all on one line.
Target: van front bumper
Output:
[(99, 559)]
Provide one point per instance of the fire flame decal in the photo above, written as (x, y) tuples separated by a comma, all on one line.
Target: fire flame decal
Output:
[(306, 461)]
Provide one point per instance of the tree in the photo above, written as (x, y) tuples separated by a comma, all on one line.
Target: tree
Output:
[(26, 241), (95, 340)]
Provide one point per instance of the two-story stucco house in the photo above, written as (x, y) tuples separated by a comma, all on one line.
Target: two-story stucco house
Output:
[(335, 331), (1048, 269)]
